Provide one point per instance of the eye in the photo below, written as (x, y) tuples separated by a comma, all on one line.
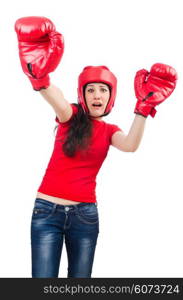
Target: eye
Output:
[(90, 90), (104, 90)]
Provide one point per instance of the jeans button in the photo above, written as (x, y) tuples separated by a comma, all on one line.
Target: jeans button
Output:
[(66, 208)]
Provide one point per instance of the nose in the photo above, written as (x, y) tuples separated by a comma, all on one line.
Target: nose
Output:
[(97, 95)]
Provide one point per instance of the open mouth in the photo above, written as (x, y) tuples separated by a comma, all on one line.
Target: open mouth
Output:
[(97, 105)]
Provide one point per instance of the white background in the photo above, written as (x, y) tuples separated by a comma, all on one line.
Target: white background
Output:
[(139, 194)]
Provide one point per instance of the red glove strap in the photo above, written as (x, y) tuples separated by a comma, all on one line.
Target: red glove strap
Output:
[(144, 109), (41, 83)]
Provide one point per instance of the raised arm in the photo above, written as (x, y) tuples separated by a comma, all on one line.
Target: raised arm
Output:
[(54, 96), (131, 141), (40, 50), (151, 89)]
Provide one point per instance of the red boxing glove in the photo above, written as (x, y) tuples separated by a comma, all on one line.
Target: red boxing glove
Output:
[(40, 49), (152, 88)]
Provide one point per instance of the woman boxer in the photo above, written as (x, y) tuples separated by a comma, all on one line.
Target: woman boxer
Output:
[(65, 206)]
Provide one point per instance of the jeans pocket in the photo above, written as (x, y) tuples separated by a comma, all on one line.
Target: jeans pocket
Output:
[(41, 211), (88, 214)]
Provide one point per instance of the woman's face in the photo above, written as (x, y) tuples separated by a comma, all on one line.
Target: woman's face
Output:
[(97, 96)]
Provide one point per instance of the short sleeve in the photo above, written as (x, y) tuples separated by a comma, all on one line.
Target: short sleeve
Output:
[(113, 129), (74, 112)]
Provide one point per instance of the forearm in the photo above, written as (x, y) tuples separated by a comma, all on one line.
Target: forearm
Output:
[(54, 96), (133, 138)]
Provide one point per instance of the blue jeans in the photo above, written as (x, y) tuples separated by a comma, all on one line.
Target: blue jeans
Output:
[(52, 223)]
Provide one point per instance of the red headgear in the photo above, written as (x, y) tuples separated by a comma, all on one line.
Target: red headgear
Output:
[(97, 74)]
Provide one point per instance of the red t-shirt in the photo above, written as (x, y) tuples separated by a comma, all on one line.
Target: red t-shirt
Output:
[(74, 178)]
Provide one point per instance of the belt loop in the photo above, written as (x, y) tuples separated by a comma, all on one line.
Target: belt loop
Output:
[(54, 208), (76, 207)]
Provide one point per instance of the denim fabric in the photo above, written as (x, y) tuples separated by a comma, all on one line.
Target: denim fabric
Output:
[(52, 225)]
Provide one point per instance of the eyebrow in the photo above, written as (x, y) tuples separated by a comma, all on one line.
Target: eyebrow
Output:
[(99, 85)]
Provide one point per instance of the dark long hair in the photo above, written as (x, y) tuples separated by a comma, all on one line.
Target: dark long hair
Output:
[(79, 132)]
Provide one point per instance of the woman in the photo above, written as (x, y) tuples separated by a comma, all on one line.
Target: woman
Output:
[(66, 204)]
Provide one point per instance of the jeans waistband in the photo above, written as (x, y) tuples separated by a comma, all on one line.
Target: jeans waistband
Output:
[(63, 206)]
